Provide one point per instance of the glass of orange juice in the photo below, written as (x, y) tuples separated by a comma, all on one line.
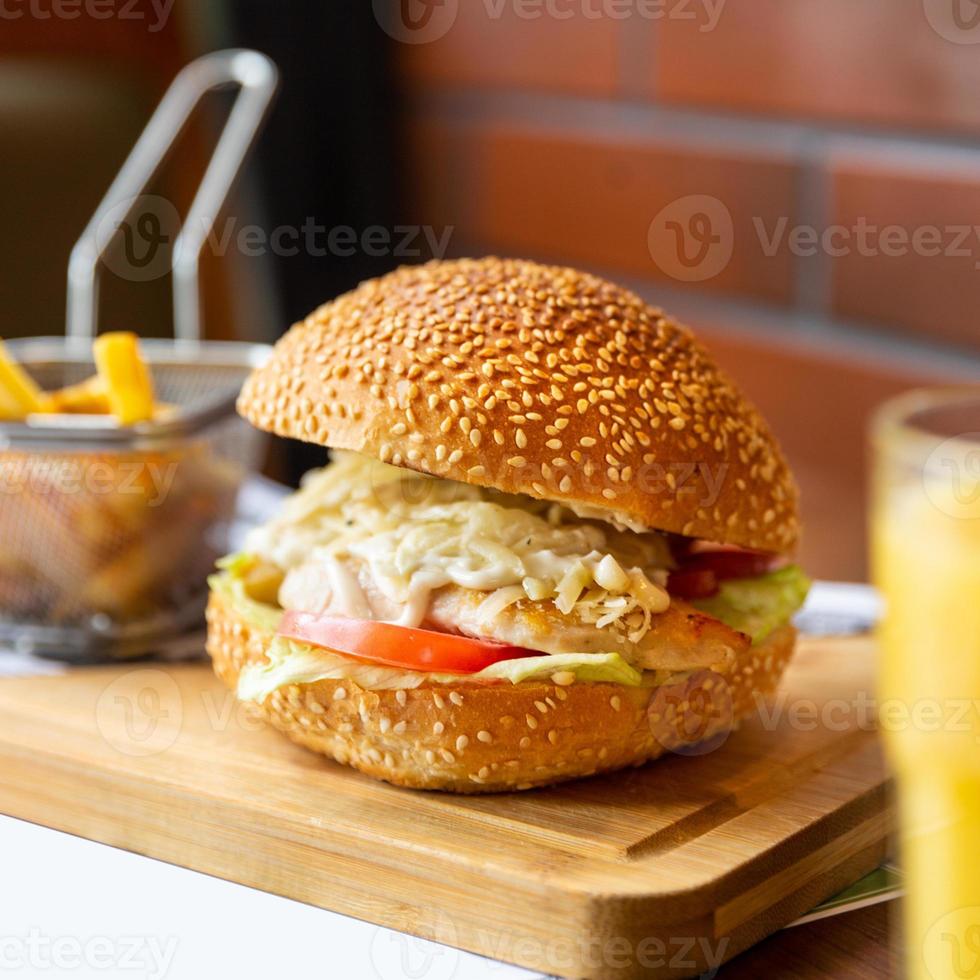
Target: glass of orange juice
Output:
[(925, 519)]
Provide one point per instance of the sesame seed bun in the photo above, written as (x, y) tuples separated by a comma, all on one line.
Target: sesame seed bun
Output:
[(533, 379), (471, 738)]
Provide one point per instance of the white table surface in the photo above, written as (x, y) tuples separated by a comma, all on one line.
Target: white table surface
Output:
[(70, 907), (73, 908)]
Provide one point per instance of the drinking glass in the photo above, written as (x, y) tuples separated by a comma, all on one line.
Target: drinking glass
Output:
[(925, 518)]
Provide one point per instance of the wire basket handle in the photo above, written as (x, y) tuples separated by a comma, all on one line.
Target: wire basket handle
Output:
[(256, 77)]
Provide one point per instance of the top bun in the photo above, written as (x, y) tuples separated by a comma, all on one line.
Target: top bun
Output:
[(533, 379)]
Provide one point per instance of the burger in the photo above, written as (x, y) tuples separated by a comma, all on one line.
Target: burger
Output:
[(552, 541)]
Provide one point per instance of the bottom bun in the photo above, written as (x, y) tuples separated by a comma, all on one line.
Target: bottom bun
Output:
[(478, 738)]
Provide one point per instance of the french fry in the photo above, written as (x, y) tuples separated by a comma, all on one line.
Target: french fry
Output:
[(127, 380), (88, 397), (19, 395)]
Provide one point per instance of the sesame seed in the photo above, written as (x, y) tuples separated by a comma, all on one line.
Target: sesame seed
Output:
[(401, 697), (461, 743), (399, 728), (541, 706), (532, 722), (615, 702), (437, 699), (484, 736), (563, 677), (455, 697), (340, 694), (384, 725)]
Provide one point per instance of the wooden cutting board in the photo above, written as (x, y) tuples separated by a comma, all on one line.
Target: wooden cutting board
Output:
[(662, 871)]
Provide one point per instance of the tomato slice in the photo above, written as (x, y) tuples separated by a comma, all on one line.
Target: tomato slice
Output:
[(700, 570), (692, 583), (729, 563), (398, 646)]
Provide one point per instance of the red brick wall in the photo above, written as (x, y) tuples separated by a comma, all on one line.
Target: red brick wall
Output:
[(799, 180)]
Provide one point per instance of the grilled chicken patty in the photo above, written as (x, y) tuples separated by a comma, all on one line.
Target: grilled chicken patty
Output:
[(682, 638)]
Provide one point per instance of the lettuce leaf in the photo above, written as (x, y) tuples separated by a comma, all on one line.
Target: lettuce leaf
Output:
[(290, 662), (759, 605), (231, 585), (237, 563), (609, 668)]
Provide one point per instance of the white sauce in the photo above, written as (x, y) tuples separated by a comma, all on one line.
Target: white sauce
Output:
[(412, 534)]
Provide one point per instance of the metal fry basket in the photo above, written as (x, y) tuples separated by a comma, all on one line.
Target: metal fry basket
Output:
[(108, 533)]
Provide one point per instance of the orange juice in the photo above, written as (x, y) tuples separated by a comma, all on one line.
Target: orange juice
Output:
[(926, 560)]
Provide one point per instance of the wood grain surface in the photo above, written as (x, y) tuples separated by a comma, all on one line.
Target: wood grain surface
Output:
[(852, 946), (663, 871)]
